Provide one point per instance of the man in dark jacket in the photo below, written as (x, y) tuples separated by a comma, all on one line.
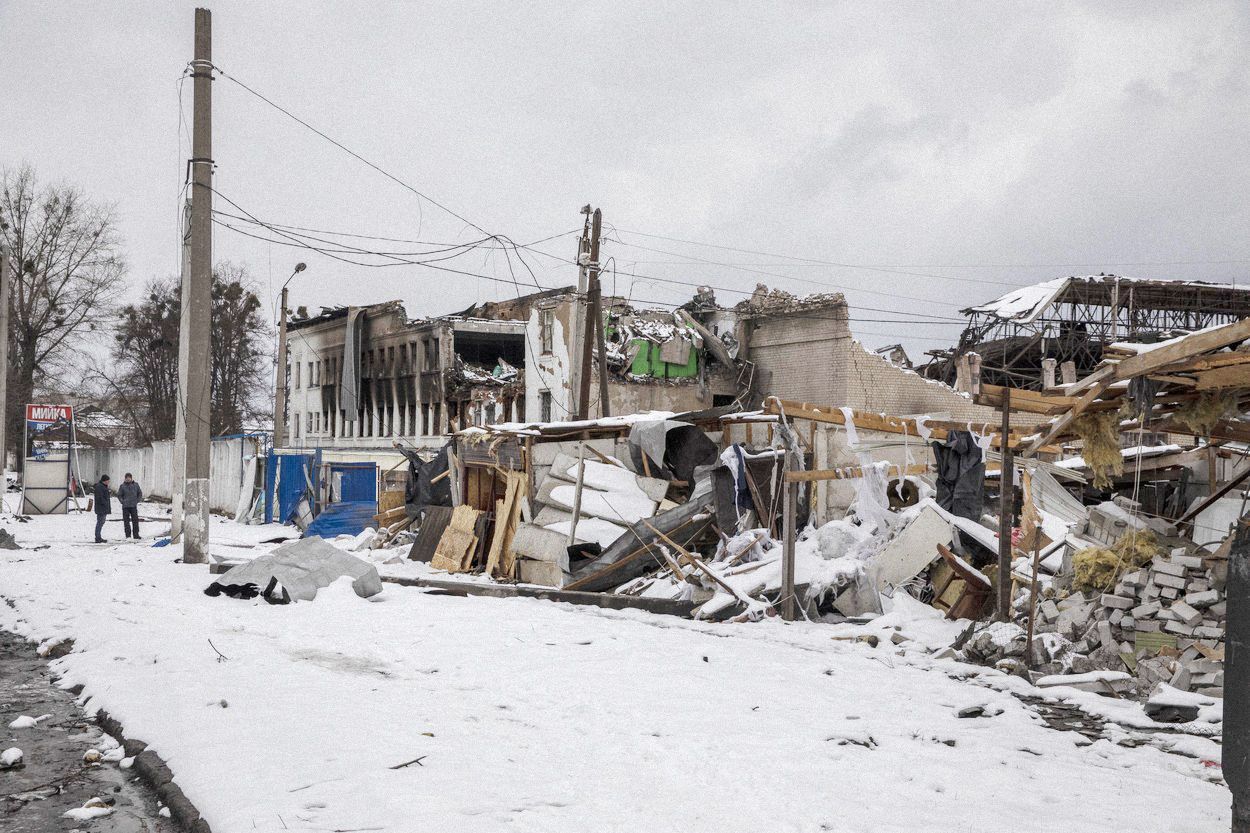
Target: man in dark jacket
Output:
[(103, 505), (128, 495)]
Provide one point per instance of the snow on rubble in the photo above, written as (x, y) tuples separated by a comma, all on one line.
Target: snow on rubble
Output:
[(412, 710)]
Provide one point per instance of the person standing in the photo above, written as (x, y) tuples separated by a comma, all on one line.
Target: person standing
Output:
[(103, 505), (128, 495)]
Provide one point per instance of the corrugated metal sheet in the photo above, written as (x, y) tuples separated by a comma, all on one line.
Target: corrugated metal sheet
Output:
[(345, 518)]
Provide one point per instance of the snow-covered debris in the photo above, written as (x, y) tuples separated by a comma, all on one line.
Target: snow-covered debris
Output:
[(11, 758), (94, 808), (295, 571), (27, 722)]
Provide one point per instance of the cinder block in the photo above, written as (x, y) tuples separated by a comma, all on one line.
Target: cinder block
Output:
[(1169, 593), (1203, 598), (1178, 628), (1117, 602), (1186, 613), (1169, 580), (1146, 610)]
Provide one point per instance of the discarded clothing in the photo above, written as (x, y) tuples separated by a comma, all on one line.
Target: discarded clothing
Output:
[(960, 474)]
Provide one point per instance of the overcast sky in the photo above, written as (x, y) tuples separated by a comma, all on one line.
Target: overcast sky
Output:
[(972, 146)]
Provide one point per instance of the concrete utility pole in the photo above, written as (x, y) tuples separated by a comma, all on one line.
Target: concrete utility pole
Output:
[(180, 411), (6, 279), (594, 324), (578, 325), (199, 299), (1006, 503), (279, 385), (1236, 751)]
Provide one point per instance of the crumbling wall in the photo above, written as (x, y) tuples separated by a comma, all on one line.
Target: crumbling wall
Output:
[(549, 372), (874, 384), (801, 352)]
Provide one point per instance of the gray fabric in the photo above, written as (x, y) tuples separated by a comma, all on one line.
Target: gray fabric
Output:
[(129, 494), (349, 396), (302, 568)]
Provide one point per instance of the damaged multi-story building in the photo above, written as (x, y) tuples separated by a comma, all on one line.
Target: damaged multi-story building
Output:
[(500, 361)]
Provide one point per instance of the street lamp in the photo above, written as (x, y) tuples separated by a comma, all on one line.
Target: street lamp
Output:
[(279, 388)]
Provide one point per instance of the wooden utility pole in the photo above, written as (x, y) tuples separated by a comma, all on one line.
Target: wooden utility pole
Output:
[(1006, 502), (198, 385), (577, 326), (789, 511), (6, 280), (594, 326), (180, 411), (1236, 747), (279, 385)]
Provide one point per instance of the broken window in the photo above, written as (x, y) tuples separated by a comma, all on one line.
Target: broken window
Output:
[(546, 327), (295, 426), (544, 405), (295, 376)]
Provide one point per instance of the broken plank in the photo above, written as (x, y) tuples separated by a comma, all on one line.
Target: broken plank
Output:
[(851, 472), (1183, 348)]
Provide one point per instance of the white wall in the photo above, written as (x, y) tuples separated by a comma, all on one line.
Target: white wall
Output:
[(548, 372), (152, 467)]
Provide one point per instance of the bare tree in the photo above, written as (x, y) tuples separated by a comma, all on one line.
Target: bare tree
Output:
[(144, 375), (66, 249), (241, 340)]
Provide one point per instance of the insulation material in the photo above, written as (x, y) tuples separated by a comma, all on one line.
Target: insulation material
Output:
[(1099, 568), (1202, 414), (1100, 439)]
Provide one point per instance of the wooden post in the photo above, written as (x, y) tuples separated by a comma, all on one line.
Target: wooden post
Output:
[(790, 510), (577, 491), (1006, 483), (1048, 373)]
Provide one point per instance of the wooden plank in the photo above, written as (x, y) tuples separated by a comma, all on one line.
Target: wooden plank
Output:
[(458, 540), (1184, 348), (1234, 376), (867, 421), (851, 472)]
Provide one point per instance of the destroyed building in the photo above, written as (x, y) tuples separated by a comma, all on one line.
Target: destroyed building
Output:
[(1059, 330), (495, 362)]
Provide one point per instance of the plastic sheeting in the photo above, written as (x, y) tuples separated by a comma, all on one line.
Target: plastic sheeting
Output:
[(295, 572)]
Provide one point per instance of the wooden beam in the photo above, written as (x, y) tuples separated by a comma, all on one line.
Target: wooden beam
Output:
[(867, 421), (851, 473), (1183, 348), (1062, 422), (1233, 376)]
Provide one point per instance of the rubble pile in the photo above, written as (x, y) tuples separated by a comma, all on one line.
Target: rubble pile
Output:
[(1164, 621)]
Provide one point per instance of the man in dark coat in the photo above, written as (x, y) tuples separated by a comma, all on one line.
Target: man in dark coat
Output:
[(128, 495), (103, 505)]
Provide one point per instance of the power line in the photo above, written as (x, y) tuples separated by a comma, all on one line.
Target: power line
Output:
[(896, 267)]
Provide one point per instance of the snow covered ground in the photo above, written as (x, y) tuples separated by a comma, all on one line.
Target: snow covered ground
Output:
[(532, 716)]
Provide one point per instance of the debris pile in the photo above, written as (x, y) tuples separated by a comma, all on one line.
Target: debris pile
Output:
[(1161, 617)]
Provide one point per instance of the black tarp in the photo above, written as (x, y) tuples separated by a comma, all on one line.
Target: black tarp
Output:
[(960, 475)]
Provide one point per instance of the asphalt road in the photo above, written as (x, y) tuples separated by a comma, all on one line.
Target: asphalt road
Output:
[(53, 777)]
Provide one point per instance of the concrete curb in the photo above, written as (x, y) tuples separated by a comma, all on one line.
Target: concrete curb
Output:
[(157, 774)]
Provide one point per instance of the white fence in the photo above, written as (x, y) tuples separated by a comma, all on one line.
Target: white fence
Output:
[(153, 468)]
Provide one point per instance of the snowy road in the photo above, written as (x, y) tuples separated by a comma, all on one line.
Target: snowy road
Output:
[(533, 716)]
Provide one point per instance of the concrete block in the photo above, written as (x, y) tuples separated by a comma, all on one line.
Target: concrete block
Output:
[(1128, 623), (1168, 568), (545, 573), (1218, 610), (1191, 562), (1148, 625), (1069, 602), (1179, 628), (1202, 598), (1116, 617), (1169, 580), (1137, 579), (537, 544), (1104, 634), (1048, 610), (1198, 585), (1187, 614), (1146, 610), (1150, 592), (1117, 602), (1169, 593), (1204, 632)]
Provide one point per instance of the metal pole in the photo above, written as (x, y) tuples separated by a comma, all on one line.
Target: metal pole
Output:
[(1006, 501), (180, 409), (1236, 751), (199, 299), (5, 289), (279, 386)]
